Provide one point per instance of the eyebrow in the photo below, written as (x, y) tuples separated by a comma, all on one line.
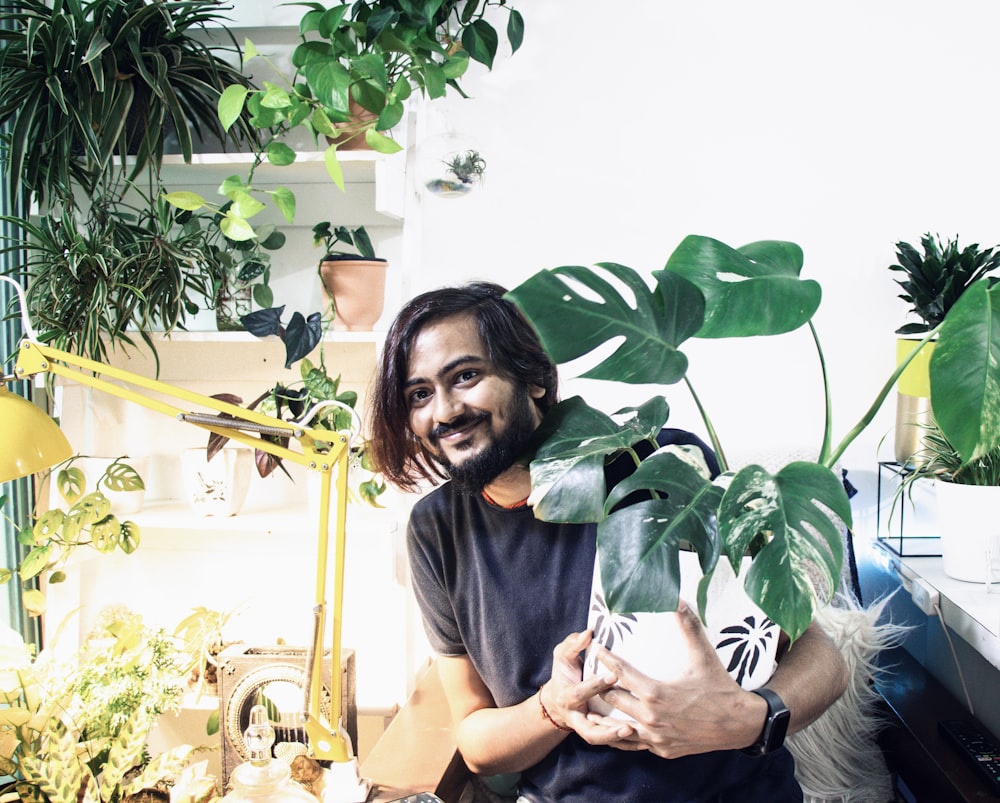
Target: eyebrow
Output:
[(446, 368)]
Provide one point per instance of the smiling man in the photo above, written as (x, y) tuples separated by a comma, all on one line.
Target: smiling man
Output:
[(462, 387)]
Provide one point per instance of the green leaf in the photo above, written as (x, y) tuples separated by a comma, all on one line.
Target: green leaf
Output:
[(34, 601), (236, 228), (801, 512), (638, 545), (567, 469), (279, 154), (284, 199), (92, 508), (35, 561), (189, 201), (129, 537), (244, 206), (72, 483), (230, 105), (751, 291), (104, 534), (380, 143), (515, 30), (481, 40), (333, 166), (571, 324), (965, 372), (212, 724), (249, 50), (123, 477)]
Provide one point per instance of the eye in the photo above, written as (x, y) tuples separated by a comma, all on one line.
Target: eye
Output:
[(466, 375), (418, 397)]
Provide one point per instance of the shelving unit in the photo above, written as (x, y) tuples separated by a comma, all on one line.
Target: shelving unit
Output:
[(262, 560)]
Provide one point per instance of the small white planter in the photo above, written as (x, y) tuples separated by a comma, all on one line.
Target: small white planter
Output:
[(745, 639), (969, 523), (217, 487)]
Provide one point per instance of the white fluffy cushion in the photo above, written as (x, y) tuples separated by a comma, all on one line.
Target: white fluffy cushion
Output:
[(837, 758)]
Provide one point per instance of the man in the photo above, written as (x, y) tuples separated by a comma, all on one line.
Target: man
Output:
[(462, 386)]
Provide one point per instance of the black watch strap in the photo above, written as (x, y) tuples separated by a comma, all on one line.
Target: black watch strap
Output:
[(775, 726)]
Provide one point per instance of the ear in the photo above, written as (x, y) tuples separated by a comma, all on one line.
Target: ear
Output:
[(536, 391)]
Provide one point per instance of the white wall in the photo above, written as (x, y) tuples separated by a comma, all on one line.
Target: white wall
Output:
[(619, 128)]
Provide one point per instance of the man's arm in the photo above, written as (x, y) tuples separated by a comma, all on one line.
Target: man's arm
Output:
[(494, 740), (707, 710)]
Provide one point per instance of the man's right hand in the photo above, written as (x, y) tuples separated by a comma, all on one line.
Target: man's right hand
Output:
[(566, 695)]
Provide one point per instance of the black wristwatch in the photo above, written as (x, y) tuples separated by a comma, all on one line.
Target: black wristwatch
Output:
[(775, 726)]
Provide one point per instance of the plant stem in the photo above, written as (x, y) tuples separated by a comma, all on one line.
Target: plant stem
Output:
[(712, 435), (827, 400), (832, 459)]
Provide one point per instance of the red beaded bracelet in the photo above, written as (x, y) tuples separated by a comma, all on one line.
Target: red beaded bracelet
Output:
[(547, 715)]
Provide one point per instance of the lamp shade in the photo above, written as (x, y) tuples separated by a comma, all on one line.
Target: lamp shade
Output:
[(31, 440)]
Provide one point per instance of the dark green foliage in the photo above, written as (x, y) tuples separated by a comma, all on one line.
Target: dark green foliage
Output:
[(934, 281)]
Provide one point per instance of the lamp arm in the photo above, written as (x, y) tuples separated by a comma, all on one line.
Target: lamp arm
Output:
[(324, 451)]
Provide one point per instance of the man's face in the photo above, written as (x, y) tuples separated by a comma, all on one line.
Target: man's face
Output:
[(474, 421)]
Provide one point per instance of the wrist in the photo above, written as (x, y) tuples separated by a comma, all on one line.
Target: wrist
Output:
[(544, 710), (774, 723)]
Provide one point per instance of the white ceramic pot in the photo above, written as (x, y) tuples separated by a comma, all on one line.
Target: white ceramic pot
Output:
[(969, 524), (217, 487), (745, 639)]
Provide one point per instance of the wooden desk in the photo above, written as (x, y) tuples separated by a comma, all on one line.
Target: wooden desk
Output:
[(417, 752)]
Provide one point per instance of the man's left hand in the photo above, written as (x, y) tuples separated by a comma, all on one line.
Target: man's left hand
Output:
[(701, 710)]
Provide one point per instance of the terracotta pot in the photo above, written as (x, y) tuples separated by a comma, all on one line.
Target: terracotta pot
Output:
[(350, 140), (356, 287)]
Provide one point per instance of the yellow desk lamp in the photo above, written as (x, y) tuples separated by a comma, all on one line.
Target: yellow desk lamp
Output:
[(33, 442)]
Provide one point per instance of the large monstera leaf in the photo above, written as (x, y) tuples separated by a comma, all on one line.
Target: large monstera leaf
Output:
[(638, 544), (571, 324), (749, 291), (567, 470), (965, 380), (800, 512)]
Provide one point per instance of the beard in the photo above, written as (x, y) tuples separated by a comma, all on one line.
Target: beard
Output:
[(472, 475)]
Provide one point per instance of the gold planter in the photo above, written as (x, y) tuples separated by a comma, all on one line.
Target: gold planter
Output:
[(913, 402)]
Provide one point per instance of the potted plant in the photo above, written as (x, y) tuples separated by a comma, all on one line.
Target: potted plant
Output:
[(463, 171), (240, 269), (91, 92), (932, 282), (967, 495), (87, 521), (102, 278), (356, 65), (76, 730), (790, 522), (353, 278), (93, 89), (316, 400)]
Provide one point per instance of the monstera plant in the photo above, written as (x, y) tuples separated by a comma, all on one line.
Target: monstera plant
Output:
[(791, 522)]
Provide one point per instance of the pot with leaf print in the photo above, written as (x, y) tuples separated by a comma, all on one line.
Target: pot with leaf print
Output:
[(745, 639)]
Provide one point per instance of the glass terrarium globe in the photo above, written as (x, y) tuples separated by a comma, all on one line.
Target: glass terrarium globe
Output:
[(449, 166)]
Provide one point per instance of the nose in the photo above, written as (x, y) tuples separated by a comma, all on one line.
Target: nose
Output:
[(447, 407)]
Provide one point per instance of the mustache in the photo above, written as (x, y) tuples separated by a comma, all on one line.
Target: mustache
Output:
[(461, 422)]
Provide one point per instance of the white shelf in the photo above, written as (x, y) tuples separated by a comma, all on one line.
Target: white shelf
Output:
[(972, 610), (376, 180)]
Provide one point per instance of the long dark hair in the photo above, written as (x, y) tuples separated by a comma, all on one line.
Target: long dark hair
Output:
[(510, 343)]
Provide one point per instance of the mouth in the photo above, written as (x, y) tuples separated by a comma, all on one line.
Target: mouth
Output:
[(455, 434)]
